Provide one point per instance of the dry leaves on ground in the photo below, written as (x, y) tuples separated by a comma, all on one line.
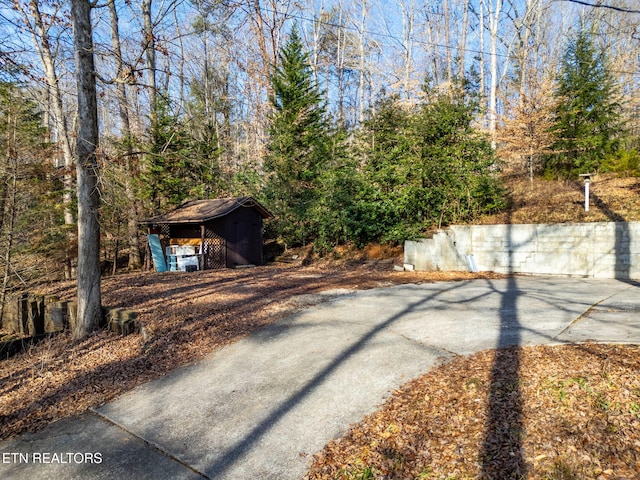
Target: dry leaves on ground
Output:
[(183, 317), (563, 412), (612, 199), (549, 412)]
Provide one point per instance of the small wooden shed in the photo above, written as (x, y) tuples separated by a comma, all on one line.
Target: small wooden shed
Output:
[(225, 232)]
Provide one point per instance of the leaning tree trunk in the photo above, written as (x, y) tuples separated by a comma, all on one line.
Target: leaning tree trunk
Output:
[(89, 298)]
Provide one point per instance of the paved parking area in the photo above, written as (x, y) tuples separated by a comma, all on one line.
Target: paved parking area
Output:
[(260, 408)]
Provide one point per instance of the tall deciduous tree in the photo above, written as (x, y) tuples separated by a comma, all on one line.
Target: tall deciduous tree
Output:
[(21, 142), (495, 7), (298, 148), (89, 297), (126, 132), (526, 136), (588, 115), (150, 61), (40, 25)]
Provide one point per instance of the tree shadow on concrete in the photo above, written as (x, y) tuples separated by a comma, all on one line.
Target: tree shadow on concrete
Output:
[(233, 455), (502, 455), (622, 243), (178, 330)]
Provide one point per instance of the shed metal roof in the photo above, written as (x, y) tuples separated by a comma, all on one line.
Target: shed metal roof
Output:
[(199, 211)]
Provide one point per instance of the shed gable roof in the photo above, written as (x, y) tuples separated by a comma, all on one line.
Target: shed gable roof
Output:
[(198, 211)]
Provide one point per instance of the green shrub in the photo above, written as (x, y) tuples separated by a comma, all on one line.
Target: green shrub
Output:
[(625, 161)]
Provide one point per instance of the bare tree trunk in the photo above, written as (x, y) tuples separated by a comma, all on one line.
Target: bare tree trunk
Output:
[(494, 21), (280, 10), (123, 111), (433, 42), (408, 22), (89, 296), (259, 27), (150, 60), (182, 60), (206, 72), (447, 39), (340, 62), (8, 211), (526, 31), (462, 47), (523, 51), (483, 82), (39, 31), (363, 60), (315, 45), (11, 217), (123, 104)]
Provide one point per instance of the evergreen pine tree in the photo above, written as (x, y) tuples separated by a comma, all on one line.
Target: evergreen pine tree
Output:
[(299, 143), (588, 116), (182, 163), (32, 229), (426, 167)]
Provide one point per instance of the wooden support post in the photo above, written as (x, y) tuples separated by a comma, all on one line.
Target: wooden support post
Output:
[(121, 320), (203, 232), (23, 312), (56, 317), (72, 315), (35, 320)]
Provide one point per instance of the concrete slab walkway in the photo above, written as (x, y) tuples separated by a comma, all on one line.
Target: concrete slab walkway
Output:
[(260, 408)]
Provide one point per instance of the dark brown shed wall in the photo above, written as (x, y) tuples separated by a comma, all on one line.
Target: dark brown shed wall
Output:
[(232, 239), (243, 231)]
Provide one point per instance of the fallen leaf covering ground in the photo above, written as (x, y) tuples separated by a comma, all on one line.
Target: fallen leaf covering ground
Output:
[(568, 412), (561, 412), (183, 316), (612, 199)]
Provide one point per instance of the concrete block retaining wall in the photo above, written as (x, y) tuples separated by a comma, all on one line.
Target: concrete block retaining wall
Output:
[(599, 250)]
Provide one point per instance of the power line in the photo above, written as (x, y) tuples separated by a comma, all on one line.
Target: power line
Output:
[(374, 33), (610, 7), (415, 41)]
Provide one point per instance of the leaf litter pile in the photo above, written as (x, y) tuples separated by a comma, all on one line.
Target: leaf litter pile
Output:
[(561, 412), (567, 412)]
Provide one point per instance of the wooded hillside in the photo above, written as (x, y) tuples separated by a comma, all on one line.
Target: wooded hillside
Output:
[(353, 122)]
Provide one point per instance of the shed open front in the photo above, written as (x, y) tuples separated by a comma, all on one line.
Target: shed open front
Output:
[(209, 234)]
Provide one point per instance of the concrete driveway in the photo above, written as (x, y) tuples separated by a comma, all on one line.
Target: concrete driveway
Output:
[(260, 408)]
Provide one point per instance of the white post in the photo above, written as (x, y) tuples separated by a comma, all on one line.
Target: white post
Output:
[(587, 182), (586, 194)]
